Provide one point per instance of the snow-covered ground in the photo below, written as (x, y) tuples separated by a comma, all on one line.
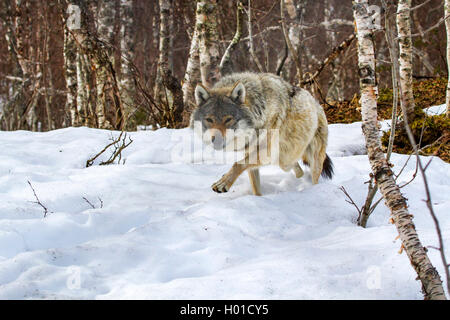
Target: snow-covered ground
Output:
[(158, 231), (436, 110)]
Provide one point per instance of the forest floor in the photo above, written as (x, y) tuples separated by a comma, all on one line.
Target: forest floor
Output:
[(153, 228), (431, 130)]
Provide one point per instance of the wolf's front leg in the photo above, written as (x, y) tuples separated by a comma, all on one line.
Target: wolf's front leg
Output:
[(227, 180)]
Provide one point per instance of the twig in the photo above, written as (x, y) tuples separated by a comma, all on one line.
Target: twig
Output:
[(350, 200), (85, 199), (332, 56), (118, 149), (37, 200), (90, 161)]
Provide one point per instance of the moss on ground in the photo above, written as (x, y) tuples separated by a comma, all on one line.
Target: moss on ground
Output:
[(435, 137)]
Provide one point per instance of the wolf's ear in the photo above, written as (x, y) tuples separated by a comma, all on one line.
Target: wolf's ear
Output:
[(201, 94), (238, 93)]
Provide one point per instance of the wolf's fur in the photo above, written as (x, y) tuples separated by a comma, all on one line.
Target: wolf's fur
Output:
[(265, 101)]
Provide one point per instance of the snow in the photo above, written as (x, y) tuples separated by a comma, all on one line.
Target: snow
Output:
[(436, 110), (159, 232)]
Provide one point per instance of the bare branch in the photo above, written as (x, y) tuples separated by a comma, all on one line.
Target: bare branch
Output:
[(332, 56), (92, 206), (37, 200), (225, 63)]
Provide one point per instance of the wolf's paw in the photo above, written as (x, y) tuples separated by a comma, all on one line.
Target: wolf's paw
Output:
[(221, 185)]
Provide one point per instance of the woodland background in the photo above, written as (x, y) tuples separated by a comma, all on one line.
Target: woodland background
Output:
[(107, 74)]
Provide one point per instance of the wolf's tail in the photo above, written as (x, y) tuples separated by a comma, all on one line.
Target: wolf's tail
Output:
[(327, 171)]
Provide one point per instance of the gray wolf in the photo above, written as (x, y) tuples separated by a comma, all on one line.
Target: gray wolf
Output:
[(254, 102)]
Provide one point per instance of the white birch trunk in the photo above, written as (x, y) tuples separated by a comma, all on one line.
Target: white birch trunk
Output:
[(192, 74), (106, 19), (164, 48), (400, 216), (127, 87), (206, 19), (447, 28), (70, 69), (405, 58)]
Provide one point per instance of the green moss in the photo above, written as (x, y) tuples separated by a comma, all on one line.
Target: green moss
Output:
[(436, 129), (431, 131)]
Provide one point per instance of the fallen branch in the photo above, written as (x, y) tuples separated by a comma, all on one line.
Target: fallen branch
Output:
[(119, 145), (118, 148)]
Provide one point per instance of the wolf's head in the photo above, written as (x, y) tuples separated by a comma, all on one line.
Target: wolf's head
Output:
[(220, 111)]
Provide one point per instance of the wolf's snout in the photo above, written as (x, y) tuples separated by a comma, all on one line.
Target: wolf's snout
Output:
[(217, 141)]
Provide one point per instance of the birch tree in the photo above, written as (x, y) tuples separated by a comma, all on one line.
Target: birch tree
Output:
[(405, 58), (106, 15), (206, 20), (165, 79), (165, 7), (70, 72), (127, 49), (23, 97), (447, 28), (9, 114), (192, 74), (400, 215)]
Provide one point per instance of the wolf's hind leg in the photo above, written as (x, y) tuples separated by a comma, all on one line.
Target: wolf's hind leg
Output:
[(316, 159), (298, 170), (253, 175)]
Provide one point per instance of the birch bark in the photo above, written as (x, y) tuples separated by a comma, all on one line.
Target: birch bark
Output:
[(127, 87), (106, 19), (447, 29), (70, 69), (206, 19), (192, 74), (405, 58), (400, 216), (175, 106)]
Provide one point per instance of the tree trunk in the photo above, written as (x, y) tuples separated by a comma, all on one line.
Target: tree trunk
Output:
[(206, 20), (288, 36), (336, 81), (447, 28), (192, 74), (405, 58), (127, 85), (427, 274), (70, 69), (164, 48), (106, 20), (174, 108), (25, 92), (9, 112)]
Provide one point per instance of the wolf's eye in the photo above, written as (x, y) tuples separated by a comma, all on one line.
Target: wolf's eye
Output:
[(227, 120), (209, 120)]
